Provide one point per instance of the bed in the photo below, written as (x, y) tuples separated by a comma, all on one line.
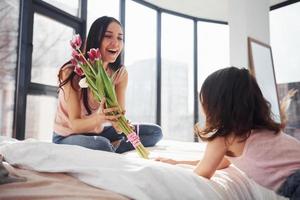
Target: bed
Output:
[(71, 172)]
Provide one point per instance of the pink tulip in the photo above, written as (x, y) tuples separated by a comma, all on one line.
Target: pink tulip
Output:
[(75, 54), (78, 70), (94, 54), (76, 42), (78, 56), (74, 62)]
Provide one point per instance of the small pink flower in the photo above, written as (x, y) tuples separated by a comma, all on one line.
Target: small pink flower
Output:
[(74, 62), (94, 54), (76, 42), (77, 56), (78, 70)]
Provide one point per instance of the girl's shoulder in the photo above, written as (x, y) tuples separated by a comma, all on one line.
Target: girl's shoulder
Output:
[(264, 134), (260, 138), (235, 145)]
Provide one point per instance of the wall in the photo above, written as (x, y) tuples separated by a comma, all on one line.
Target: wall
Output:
[(246, 18), (251, 19)]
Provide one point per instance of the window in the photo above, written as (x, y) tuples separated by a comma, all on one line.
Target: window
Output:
[(99, 8), (40, 113), (177, 94), (285, 42), (140, 61), (177, 63), (9, 25), (70, 6), (51, 49), (213, 51)]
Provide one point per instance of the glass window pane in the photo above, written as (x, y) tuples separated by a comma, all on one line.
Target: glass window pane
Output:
[(70, 6), (213, 49), (9, 25), (40, 113), (285, 42), (140, 61), (213, 52), (51, 49), (99, 8), (177, 78)]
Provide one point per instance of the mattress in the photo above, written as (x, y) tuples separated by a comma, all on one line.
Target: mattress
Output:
[(67, 171)]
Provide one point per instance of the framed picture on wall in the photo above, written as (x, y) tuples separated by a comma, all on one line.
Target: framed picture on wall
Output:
[(262, 67)]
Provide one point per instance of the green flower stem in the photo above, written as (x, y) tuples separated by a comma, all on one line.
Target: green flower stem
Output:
[(101, 86), (87, 62), (143, 152), (122, 123), (89, 81)]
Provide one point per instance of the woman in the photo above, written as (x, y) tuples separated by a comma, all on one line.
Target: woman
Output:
[(78, 121)]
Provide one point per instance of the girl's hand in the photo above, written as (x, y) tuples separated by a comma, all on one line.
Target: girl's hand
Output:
[(166, 160)]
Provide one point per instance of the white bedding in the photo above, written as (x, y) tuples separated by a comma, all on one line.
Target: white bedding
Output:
[(134, 177)]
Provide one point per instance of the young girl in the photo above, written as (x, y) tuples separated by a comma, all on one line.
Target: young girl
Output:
[(78, 121), (240, 130)]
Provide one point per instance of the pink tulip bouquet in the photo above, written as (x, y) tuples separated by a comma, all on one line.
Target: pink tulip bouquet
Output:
[(101, 85)]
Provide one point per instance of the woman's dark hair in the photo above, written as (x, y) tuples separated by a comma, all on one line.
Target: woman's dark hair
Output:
[(233, 103), (94, 39), (96, 35)]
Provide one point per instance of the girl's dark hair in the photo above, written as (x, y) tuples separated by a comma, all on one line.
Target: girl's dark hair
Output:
[(234, 104), (94, 40)]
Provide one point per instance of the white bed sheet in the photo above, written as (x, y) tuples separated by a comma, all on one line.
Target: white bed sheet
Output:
[(132, 176)]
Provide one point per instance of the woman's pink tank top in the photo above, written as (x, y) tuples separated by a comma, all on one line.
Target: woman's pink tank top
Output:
[(61, 122)]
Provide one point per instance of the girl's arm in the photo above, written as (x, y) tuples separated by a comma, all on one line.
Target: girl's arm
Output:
[(223, 164), (175, 162), (213, 158)]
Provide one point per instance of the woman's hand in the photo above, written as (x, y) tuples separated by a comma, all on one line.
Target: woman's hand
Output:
[(106, 114), (166, 160), (117, 127)]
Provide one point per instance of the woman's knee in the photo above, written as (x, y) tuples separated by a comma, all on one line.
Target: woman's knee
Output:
[(56, 138), (103, 144), (157, 132), (151, 134)]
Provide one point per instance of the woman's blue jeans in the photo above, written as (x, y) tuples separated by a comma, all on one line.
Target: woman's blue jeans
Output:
[(149, 135)]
